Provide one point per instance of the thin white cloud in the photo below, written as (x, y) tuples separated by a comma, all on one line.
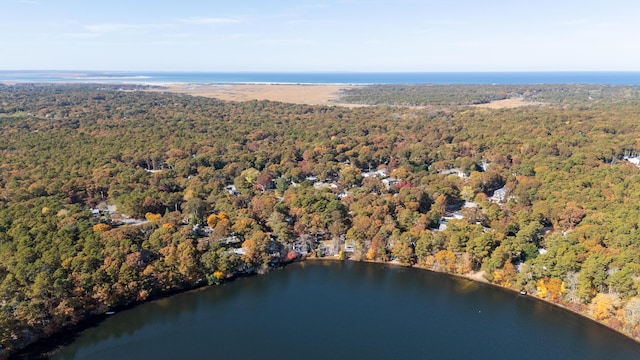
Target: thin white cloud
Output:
[(478, 44), (244, 36), (371, 42), (444, 23), (178, 36), (310, 22), (428, 27), (110, 28), (83, 35), (163, 43), (575, 22), (284, 41), (200, 20)]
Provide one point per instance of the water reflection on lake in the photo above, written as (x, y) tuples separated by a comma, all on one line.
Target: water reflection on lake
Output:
[(320, 310)]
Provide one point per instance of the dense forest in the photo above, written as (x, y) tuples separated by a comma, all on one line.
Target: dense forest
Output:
[(429, 95), (111, 196)]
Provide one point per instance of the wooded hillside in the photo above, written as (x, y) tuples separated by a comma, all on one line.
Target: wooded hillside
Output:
[(222, 188)]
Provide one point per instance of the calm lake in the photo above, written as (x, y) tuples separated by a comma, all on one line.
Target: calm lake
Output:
[(346, 310)]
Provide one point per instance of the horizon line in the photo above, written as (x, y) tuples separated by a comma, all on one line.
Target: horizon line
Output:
[(322, 71)]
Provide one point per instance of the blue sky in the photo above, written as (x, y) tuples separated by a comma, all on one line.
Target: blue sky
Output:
[(331, 35)]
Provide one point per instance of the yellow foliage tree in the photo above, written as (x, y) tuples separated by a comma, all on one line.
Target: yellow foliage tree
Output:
[(100, 228), (467, 193), (244, 226), (152, 217), (66, 263), (187, 264), (371, 254), (555, 288), (168, 226), (400, 173), (541, 289), (446, 259), (249, 247), (223, 216), (552, 288), (505, 276), (148, 271), (212, 220), (440, 203), (603, 306), (188, 194)]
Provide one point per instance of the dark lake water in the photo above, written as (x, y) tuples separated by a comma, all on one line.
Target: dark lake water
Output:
[(345, 310)]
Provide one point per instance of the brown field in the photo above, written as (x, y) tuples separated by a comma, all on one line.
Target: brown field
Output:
[(507, 104), (297, 94), (320, 94)]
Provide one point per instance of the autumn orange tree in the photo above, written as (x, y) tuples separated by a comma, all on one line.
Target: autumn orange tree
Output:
[(216, 178)]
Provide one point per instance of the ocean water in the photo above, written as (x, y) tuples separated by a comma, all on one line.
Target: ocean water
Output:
[(501, 78)]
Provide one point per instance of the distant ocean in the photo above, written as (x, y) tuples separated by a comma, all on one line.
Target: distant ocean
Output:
[(501, 78)]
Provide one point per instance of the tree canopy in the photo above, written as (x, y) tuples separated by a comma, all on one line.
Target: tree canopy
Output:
[(109, 196)]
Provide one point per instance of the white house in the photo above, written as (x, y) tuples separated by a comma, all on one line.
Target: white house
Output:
[(498, 195), (635, 160)]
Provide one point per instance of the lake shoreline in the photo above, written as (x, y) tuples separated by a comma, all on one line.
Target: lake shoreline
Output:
[(475, 278), (422, 297), (45, 347)]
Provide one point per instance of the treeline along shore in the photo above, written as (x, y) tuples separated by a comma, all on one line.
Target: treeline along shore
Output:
[(111, 195)]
